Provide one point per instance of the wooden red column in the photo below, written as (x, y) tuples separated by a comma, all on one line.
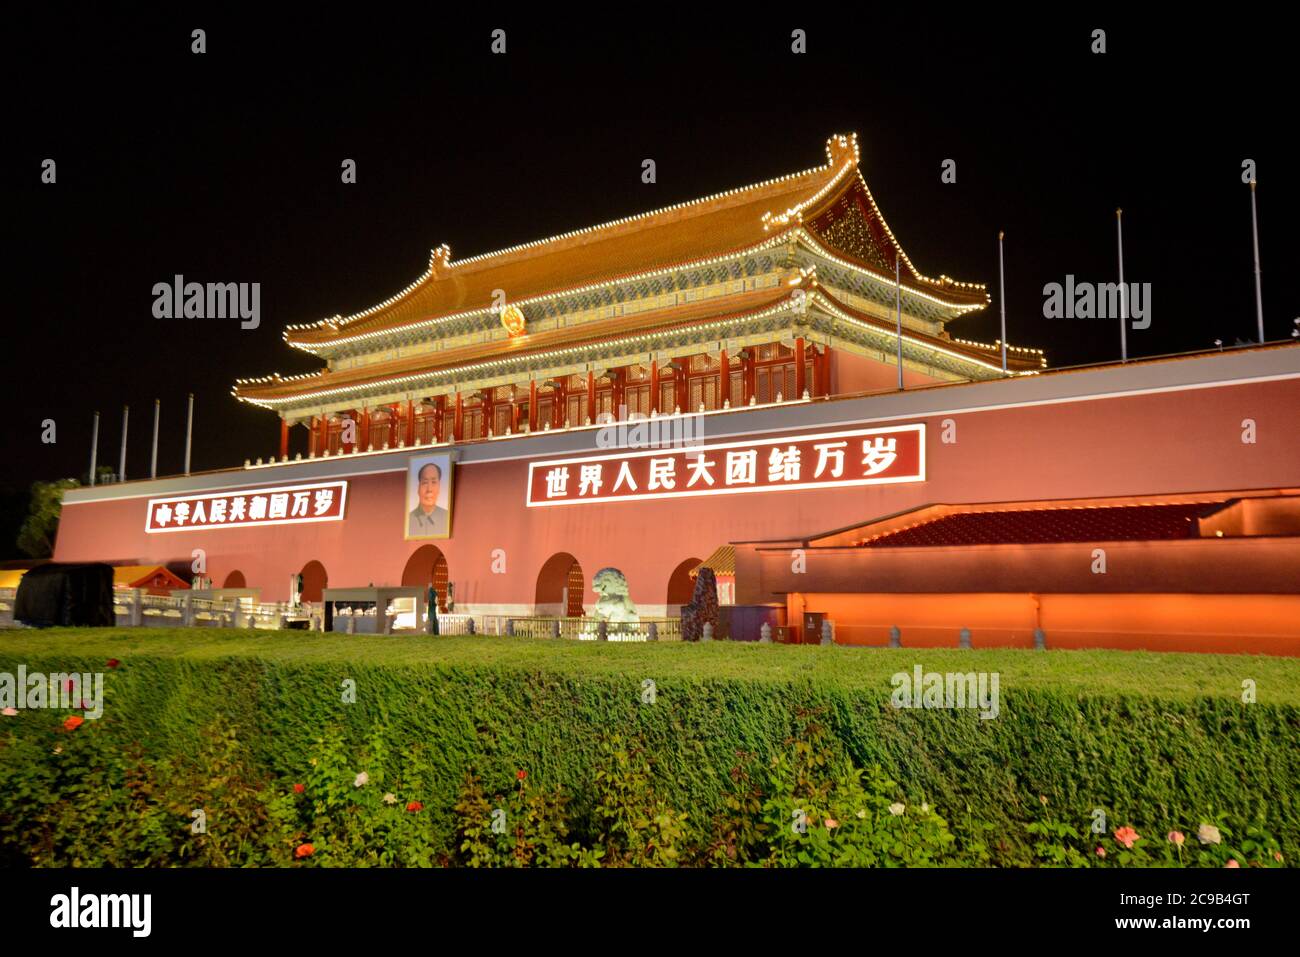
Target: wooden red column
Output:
[(822, 369), (458, 423), (440, 418), (410, 421), (747, 375), (560, 407), (365, 428), (532, 405), (591, 396), (800, 371), (284, 436), (724, 379), (618, 392), (654, 386), (514, 410)]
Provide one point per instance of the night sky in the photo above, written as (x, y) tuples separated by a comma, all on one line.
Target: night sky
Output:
[(225, 167)]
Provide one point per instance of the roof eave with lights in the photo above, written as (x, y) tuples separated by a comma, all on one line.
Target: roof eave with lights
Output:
[(840, 174)]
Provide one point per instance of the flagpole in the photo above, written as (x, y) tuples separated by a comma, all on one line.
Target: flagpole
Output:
[(153, 458), (1254, 229), (1123, 290), (121, 462), (94, 447), (189, 431), (898, 299), (1002, 300)]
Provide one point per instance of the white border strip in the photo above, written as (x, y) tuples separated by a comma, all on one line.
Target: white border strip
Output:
[(919, 476), (343, 506)]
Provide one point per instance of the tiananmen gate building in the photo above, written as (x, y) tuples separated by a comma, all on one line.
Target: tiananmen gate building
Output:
[(717, 385)]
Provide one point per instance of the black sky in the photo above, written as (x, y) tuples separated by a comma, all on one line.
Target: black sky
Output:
[(225, 167)]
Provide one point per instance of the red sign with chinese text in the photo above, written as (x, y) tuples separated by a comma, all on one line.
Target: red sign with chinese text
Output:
[(290, 504), (826, 460)]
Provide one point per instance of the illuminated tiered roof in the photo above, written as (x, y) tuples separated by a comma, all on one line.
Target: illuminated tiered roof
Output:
[(819, 230)]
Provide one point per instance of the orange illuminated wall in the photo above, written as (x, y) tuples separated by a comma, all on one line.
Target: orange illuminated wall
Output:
[(1249, 624)]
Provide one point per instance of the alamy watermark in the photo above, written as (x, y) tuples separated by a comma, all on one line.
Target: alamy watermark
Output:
[(213, 300), (1090, 300), (935, 689), (75, 909), (662, 431), (81, 691)]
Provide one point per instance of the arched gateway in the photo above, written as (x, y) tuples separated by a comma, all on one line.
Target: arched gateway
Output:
[(427, 565)]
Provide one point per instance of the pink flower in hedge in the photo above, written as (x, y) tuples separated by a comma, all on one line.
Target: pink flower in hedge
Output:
[(113, 662), (1208, 834), (1101, 851), (1127, 836), (299, 788), (831, 823), (1176, 837), (74, 722), (304, 850), (1277, 856), (1232, 862), (415, 807), (10, 712)]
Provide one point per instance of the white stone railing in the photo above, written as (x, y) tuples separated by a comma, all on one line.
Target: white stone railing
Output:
[(583, 629)]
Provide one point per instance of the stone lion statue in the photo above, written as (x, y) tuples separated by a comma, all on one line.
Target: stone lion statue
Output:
[(614, 605)]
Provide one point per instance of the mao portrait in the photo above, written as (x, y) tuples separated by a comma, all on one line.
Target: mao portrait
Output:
[(428, 497)]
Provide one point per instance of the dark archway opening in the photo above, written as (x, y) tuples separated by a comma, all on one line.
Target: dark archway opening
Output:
[(428, 566), (314, 581), (681, 585), (561, 587)]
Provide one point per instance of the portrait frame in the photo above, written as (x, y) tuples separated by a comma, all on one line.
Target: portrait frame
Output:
[(418, 524)]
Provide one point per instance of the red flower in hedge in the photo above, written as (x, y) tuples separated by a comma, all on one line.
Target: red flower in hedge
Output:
[(520, 775), (304, 850), (113, 662), (74, 722), (299, 788), (1127, 836), (415, 807), (1101, 852)]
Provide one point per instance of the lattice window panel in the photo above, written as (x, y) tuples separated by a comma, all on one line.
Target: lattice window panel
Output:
[(425, 426), (472, 420), (577, 408), (637, 398)]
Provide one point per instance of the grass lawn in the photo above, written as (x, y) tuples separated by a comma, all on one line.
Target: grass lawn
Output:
[(1178, 677)]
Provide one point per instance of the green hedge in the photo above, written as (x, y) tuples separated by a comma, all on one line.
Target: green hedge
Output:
[(1151, 739)]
